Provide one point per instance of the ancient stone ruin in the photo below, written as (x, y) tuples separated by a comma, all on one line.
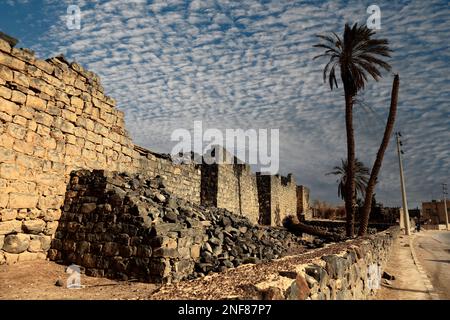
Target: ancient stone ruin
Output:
[(55, 120), (74, 188), (129, 226)]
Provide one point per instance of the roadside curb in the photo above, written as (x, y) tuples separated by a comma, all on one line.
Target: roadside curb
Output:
[(423, 274)]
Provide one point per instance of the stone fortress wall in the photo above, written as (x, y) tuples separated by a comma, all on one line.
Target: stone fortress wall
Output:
[(55, 118), (304, 212)]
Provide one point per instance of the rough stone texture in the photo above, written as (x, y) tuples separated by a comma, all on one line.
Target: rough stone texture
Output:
[(304, 212), (55, 118), (129, 226), (302, 276), (16, 243), (230, 184), (299, 289), (277, 197)]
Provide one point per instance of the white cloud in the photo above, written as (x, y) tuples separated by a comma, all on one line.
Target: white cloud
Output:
[(168, 64)]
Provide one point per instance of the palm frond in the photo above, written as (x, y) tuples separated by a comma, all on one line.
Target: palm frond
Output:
[(357, 53)]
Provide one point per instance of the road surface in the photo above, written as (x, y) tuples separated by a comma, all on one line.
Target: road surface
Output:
[(433, 252)]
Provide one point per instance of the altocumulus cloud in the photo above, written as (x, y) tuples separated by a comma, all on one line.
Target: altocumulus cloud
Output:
[(248, 64)]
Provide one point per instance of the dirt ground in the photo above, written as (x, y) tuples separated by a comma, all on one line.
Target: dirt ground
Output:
[(408, 283), (36, 280)]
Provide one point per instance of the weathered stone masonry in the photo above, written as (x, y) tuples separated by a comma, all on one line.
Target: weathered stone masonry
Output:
[(277, 197), (343, 271), (55, 118), (129, 226)]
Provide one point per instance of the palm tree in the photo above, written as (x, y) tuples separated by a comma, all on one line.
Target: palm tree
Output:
[(365, 215), (361, 180), (361, 177), (357, 55)]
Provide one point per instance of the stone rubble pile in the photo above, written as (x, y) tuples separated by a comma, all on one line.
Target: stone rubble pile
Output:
[(233, 240), (129, 226)]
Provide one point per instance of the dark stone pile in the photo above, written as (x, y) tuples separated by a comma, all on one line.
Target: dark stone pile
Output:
[(229, 240), (131, 227), (233, 240)]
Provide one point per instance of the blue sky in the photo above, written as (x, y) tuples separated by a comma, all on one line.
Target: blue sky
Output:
[(248, 64)]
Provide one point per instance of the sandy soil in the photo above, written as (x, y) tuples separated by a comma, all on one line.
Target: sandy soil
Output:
[(408, 283), (36, 280)]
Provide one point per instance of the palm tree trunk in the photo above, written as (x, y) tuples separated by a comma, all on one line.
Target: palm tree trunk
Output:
[(297, 227), (350, 180), (379, 159)]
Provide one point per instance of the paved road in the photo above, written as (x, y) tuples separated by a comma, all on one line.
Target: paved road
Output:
[(433, 251)]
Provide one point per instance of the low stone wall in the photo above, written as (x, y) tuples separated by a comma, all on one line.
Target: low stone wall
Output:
[(352, 274), (350, 270), (339, 225), (182, 180)]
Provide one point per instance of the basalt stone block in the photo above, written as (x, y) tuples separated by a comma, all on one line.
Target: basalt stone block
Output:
[(335, 266), (139, 266), (165, 252), (144, 251), (96, 248), (91, 272), (160, 267), (110, 249), (318, 273), (83, 247), (119, 264), (54, 255), (123, 239), (137, 240), (127, 251), (89, 260)]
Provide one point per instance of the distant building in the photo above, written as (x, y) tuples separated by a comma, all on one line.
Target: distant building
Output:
[(433, 211), (414, 213)]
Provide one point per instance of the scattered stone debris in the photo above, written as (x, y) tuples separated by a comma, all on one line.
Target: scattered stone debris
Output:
[(59, 283), (233, 240), (388, 276), (129, 226)]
